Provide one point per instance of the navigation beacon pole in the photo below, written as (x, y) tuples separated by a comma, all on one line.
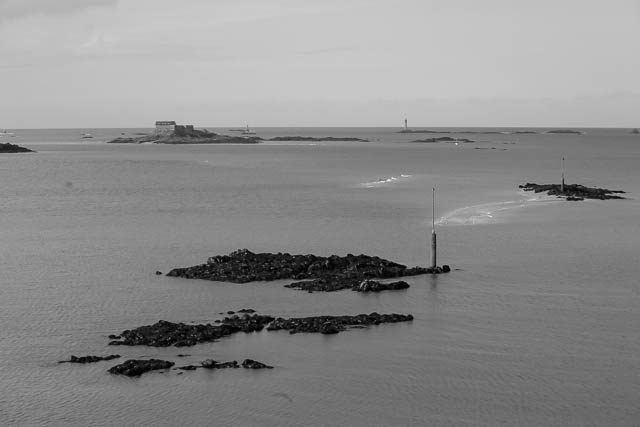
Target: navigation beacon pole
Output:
[(433, 230), (405, 124), (562, 184)]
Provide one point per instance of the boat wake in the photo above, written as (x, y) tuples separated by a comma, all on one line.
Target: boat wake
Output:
[(491, 213), (385, 181)]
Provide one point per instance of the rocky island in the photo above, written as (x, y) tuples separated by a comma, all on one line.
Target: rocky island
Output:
[(635, 131), (179, 134), (167, 334), (13, 148), (312, 272), (573, 192)]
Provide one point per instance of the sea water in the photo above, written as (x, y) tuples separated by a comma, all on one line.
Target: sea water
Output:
[(536, 325)]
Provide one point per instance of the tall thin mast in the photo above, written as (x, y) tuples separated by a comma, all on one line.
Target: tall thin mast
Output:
[(433, 230), (562, 185)]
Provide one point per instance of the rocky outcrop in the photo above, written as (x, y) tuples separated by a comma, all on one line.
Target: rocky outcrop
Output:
[(13, 148), (212, 364), (334, 324), (635, 131), (165, 334), (316, 139), (89, 359), (326, 273), (573, 192), (135, 368), (444, 139), (186, 136), (254, 364), (374, 286)]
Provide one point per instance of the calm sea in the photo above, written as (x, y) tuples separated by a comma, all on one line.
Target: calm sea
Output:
[(539, 324)]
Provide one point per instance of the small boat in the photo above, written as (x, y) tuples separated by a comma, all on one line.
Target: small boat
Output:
[(248, 131), (87, 136)]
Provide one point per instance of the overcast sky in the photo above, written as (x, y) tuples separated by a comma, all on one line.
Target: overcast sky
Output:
[(127, 63)]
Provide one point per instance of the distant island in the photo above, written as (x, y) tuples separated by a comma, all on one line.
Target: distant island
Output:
[(185, 135), (12, 148), (565, 131), (573, 192), (635, 131), (444, 139)]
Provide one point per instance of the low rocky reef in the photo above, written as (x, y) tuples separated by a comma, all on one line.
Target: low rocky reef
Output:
[(166, 334), (332, 273), (368, 285), (186, 136), (316, 139), (565, 131), (89, 359), (137, 367), (636, 131), (444, 139), (573, 192), (13, 148)]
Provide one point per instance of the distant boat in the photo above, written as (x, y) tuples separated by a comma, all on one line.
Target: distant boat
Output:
[(248, 131), (87, 136)]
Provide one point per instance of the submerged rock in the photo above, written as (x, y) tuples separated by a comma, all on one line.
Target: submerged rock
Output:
[(313, 272), (135, 368), (573, 192), (373, 286), (444, 139), (89, 359)]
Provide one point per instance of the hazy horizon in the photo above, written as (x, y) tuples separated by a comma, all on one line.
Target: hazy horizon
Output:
[(127, 63)]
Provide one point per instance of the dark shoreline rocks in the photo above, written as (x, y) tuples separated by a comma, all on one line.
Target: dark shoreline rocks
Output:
[(333, 272), (89, 359), (573, 192), (444, 139), (13, 148), (165, 334), (135, 368), (316, 139)]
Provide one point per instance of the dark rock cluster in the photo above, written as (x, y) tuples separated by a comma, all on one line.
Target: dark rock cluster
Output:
[(13, 148), (573, 192), (375, 286), (334, 324), (565, 131), (135, 368), (89, 359), (165, 334), (444, 139), (328, 273)]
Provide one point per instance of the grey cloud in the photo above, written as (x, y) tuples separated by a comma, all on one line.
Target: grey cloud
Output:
[(14, 9)]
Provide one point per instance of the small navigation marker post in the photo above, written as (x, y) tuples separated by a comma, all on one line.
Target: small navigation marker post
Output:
[(562, 184), (405, 124), (433, 230)]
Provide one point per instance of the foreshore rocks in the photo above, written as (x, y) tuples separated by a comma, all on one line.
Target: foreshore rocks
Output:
[(367, 285), (374, 286), (165, 334), (573, 192), (135, 368), (89, 359), (327, 273), (334, 324), (13, 148)]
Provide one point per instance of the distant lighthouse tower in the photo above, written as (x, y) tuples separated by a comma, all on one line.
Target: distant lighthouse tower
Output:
[(562, 184), (433, 230), (405, 124)]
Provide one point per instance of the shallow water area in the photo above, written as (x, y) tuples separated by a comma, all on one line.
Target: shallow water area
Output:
[(536, 325)]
